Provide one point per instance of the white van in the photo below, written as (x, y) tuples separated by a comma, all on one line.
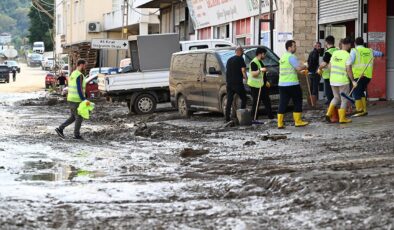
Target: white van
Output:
[(38, 47), (205, 44)]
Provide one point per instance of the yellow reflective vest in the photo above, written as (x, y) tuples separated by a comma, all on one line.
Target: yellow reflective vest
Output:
[(287, 73), (326, 71), (338, 73), (72, 94), (363, 56), (255, 82)]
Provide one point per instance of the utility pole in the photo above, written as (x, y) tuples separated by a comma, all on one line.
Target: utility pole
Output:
[(270, 21), (125, 21)]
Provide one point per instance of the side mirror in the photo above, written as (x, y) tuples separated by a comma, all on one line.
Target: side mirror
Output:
[(212, 70)]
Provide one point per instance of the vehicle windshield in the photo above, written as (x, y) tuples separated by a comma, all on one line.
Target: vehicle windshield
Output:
[(36, 57), (270, 60), (225, 55), (12, 63), (38, 46), (4, 68), (96, 71)]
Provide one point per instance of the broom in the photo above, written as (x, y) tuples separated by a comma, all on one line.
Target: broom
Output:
[(348, 97)]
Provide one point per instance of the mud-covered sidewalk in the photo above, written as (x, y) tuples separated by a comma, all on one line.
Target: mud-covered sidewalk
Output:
[(163, 172)]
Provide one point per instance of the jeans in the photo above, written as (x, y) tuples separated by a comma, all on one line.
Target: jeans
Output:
[(328, 90), (264, 97), (290, 92), (315, 80), (73, 117), (362, 85), (231, 90)]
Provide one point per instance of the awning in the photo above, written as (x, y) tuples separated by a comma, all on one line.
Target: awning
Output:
[(153, 3)]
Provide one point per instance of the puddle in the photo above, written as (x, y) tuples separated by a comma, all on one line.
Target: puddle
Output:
[(52, 171)]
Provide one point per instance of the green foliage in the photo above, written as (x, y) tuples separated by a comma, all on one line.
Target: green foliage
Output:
[(14, 19), (41, 26)]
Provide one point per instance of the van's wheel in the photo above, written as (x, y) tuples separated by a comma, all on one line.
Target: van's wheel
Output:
[(183, 107), (130, 107), (144, 104)]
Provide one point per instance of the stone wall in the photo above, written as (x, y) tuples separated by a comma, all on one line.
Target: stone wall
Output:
[(304, 32)]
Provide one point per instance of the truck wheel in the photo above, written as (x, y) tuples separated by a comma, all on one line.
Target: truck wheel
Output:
[(144, 104), (130, 107), (183, 108)]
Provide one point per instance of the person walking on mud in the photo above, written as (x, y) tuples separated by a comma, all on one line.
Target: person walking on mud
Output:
[(259, 85), (340, 77), (236, 72), (76, 94), (289, 85)]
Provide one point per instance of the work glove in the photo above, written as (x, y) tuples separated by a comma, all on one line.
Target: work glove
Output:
[(319, 71), (267, 85), (354, 84)]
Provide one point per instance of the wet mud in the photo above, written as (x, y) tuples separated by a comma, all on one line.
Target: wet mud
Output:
[(160, 171)]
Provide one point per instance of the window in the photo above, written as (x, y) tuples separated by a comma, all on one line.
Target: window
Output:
[(221, 45), (212, 61), (270, 60), (198, 47), (225, 55)]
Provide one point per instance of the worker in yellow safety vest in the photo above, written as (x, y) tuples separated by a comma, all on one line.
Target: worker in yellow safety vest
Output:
[(76, 94), (340, 76), (362, 64), (289, 85), (323, 68)]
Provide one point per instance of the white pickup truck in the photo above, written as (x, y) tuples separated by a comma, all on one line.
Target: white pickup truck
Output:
[(141, 90), (148, 84)]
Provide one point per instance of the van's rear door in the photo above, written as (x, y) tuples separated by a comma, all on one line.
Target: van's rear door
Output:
[(194, 67)]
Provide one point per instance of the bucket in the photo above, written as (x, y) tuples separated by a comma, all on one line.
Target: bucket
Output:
[(244, 117)]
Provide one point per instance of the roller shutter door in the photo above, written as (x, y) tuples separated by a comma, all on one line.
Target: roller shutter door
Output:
[(338, 10)]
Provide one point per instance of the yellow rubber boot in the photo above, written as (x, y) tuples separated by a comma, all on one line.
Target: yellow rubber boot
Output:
[(342, 116), (364, 101), (330, 112), (359, 106), (298, 120), (280, 121)]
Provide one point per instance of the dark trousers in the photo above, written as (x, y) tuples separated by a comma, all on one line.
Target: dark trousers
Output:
[(264, 97), (74, 117), (231, 90), (290, 92), (14, 76), (361, 88), (314, 86), (328, 90)]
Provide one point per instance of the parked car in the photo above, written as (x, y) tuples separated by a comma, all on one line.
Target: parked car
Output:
[(204, 44), (198, 78), (65, 70), (4, 73), (34, 60), (13, 65), (47, 63), (104, 70), (50, 80)]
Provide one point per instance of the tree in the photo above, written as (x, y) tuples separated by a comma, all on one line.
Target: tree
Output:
[(41, 25), (7, 24)]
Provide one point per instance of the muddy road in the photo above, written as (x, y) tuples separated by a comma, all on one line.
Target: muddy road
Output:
[(163, 172)]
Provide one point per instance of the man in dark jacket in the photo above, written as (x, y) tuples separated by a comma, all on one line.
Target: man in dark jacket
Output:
[(235, 73), (313, 66)]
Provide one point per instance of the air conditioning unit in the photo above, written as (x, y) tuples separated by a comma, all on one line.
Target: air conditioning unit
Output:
[(94, 27)]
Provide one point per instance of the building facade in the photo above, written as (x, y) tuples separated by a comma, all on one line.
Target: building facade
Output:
[(372, 20)]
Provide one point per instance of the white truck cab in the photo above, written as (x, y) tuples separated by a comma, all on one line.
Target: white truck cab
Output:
[(38, 47)]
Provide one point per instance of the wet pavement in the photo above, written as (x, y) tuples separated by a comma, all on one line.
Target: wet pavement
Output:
[(162, 172)]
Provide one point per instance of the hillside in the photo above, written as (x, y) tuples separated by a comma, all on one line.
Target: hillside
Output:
[(14, 19)]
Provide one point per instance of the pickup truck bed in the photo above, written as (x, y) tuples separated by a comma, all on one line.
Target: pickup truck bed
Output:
[(141, 90)]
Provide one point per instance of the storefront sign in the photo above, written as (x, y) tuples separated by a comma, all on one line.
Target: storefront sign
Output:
[(284, 36), (207, 13), (376, 37)]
